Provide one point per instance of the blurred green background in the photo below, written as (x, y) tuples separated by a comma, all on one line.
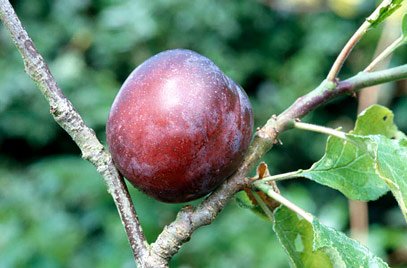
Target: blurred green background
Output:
[(54, 207)]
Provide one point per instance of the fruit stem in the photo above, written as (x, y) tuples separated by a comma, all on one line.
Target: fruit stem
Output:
[(268, 190)]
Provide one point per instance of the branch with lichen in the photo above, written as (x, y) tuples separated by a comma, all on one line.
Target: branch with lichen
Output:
[(189, 218), (69, 119)]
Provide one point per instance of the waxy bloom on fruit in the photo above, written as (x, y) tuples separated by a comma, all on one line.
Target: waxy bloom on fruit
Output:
[(179, 127)]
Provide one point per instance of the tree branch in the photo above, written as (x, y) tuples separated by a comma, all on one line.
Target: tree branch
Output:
[(328, 90), (68, 118), (189, 219), (337, 66)]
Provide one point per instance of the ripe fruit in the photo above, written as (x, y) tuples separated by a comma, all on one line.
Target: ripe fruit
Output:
[(179, 126)]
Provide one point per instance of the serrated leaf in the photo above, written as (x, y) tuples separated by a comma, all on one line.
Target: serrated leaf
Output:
[(390, 158), (372, 160), (350, 168), (385, 12), (296, 236), (316, 245)]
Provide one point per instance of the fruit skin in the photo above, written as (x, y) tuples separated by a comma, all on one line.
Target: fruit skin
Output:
[(179, 127)]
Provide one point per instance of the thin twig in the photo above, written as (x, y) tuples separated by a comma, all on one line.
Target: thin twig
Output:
[(358, 210), (68, 118), (325, 92), (189, 218), (343, 55), (389, 50)]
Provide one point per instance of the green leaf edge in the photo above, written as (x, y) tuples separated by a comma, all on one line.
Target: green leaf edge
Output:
[(385, 12), (316, 225)]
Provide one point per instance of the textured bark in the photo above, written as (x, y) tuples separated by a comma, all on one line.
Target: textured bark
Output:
[(189, 218), (68, 118)]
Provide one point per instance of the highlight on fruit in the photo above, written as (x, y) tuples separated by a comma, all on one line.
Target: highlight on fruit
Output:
[(179, 126)]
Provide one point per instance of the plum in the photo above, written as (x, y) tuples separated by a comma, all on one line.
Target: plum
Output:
[(179, 126)]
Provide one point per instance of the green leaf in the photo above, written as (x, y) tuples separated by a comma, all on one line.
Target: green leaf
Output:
[(371, 161), (297, 237), (385, 12), (404, 26), (403, 30), (390, 158), (244, 201), (316, 245), (348, 167), (375, 120)]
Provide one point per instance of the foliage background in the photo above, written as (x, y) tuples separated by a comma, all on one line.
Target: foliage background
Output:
[(54, 208)]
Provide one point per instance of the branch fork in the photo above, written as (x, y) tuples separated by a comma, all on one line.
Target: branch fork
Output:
[(189, 218)]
